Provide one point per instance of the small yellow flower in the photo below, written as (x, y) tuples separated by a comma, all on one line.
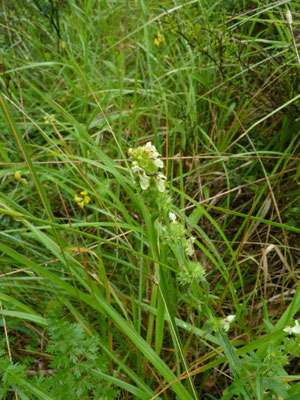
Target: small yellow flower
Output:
[(24, 180), (87, 199), (48, 118), (77, 198), (81, 205), (17, 176), (84, 193), (159, 39)]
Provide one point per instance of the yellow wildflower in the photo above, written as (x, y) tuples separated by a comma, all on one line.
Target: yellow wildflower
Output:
[(159, 39), (82, 201), (17, 176), (81, 205), (24, 180)]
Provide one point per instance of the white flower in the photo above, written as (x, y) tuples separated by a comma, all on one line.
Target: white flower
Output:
[(144, 181), (150, 148), (230, 318), (172, 217), (136, 169), (161, 182), (293, 330), (289, 330), (189, 248), (158, 163), (227, 321)]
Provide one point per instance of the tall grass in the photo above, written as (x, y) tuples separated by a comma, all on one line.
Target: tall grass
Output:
[(218, 98)]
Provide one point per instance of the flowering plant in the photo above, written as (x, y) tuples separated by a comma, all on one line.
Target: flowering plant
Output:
[(146, 166)]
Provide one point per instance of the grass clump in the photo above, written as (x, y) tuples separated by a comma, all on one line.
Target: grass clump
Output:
[(149, 169)]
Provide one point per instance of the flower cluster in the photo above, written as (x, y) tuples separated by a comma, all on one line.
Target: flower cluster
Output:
[(178, 231), (189, 246), (82, 201), (146, 164), (48, 118), (181, 244), (191, 272)]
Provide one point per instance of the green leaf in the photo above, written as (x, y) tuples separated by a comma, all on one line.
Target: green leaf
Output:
[(230, 353), (28, 317)]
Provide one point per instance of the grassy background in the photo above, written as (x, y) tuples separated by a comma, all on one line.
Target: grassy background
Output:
[(218, 97)]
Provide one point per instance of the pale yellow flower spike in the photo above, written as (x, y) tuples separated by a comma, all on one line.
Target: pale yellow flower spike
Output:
[(77, 198), (17, 176)]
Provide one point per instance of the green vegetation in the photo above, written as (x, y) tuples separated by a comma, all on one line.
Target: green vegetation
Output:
[(149, 203)]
